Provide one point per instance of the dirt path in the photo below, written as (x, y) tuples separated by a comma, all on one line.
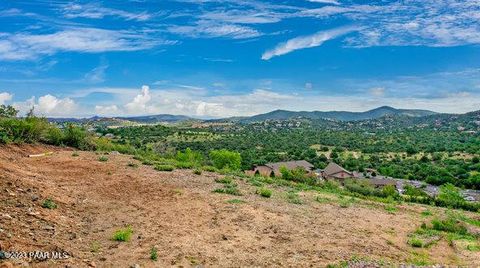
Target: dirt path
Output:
[(178, 214)]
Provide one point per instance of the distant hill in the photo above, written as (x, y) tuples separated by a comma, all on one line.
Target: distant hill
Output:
[(337, 115), (147, 119)]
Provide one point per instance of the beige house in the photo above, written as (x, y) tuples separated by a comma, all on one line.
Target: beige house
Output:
[(273, 169)]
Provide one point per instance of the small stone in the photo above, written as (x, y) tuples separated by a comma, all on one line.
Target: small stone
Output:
[(35, 197), (136, 265), (92, 264)]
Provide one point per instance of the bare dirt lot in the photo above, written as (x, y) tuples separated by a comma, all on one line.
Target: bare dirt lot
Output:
[(178, 214)]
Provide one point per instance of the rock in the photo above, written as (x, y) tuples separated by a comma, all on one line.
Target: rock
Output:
[(92, 264), (35, 197), (136, 265)]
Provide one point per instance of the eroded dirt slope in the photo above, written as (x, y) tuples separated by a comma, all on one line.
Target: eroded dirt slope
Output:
[(178, 214)]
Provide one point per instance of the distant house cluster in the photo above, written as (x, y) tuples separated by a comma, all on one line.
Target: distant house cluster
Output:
[(335, 172)]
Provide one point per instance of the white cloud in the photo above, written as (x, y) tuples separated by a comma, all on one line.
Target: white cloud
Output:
[(95, 11), (309, 41), (139, 103), (97, 74), (377, 91), (49, 105), (22, 46), (334, 2), (4, 97), (211, 29), (111, 110)]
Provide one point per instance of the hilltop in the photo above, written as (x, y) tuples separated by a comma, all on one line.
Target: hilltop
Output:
[(178, 214)]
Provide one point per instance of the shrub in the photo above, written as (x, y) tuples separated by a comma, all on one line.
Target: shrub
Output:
[(8, 111), (297, 174), (293, 198), (103, 158), (450, 196), (164, 168), (123, 234), (49, 203), (264, 192), (75, 154), (230, 189), (77, 137), (184, 165), (415, 242), (209, 168), (54, 136), (191, 157), (449, 225), (154, 254), (197, 171), (224, 159), (225, 180)]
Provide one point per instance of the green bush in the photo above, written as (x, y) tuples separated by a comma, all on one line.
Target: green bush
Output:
[(123, 235), (449, 225), (154, 254), (209, 169), (225, 180), (264, 192), (189, 157), (230, 189), (298, 175), (184, 165), (164, 168), (224, 159), (49, 203)]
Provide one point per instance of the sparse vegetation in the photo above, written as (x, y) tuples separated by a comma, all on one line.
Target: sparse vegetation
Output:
[(235, 201), (49, 203), (154, 253), (167, 168), (103, 158), (264, 192), (230, 189), (123, 235)]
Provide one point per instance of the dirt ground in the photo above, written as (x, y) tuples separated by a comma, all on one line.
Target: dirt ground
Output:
[(177, 213)]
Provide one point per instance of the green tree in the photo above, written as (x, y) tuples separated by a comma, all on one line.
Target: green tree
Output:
[(8, 111), (224, 159)]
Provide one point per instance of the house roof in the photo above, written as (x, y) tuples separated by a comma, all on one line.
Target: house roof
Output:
[(333, 168), (290, 165), (382, 182)]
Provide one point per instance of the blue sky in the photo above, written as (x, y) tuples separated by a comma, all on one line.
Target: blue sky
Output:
[(216, 58)]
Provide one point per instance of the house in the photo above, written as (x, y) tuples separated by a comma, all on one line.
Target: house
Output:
[(336, 172), (273, 169)]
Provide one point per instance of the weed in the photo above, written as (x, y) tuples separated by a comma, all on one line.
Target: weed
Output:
[(49, 203), (225, 180), (95, 247), (293, 198), (235, 201), (264, 192), (322, 199), (147, 162), (197, 171), (75, 154), (473, 247), (209, 168), (426, 213), (177, 191), (415, 242), (154, 254), (419, 259), (123, 234), (103, 158), (391, 209), (230, 189), (132, 165), (164, 168)]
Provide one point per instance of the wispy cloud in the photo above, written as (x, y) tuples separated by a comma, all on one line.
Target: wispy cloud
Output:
[(308, 41), (24, 46), (96, 11), (97, 74), (334, 2), (210, 29)]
